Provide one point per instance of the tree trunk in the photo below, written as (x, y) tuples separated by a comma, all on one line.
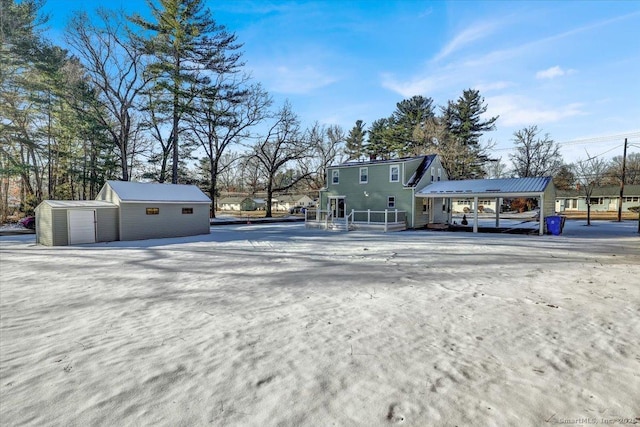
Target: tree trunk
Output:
[(269, 199)]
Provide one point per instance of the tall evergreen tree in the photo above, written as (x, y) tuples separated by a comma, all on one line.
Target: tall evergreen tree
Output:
[(409, 115), (188, 46), (354, 142)]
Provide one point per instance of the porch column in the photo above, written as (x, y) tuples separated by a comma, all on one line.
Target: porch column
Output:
[(475, 214)]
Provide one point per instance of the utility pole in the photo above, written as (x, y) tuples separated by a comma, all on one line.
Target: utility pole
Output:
[(624, 169)]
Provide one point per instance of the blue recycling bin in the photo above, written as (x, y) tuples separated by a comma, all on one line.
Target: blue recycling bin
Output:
[(554, 224)]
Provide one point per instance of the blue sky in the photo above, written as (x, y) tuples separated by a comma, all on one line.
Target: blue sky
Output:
[(571, 67)]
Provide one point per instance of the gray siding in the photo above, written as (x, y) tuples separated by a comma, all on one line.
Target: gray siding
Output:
[(44, 229), (59, 227), (107, 225), (135, 224), (549, 202), (107, 194)]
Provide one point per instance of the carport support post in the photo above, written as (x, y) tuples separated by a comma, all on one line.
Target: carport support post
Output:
[(475, 214)]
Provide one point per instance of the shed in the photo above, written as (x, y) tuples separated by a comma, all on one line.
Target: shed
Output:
[(153, 211), (71, 222), (541, 188)]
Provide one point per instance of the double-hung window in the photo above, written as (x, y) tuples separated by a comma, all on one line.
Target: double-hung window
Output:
[(364, 175), (394, 173), (391, 202), (335, 176)]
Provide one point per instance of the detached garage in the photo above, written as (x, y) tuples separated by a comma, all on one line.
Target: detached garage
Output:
[(65, 222), (124, 211), (155, 211)]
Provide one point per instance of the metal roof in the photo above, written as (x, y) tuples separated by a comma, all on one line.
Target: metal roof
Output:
[(486, 187), (79, 204), (129, 191)]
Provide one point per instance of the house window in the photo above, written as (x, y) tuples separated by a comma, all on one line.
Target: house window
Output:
[(394, 173), (187, 211), (153, 211), (364, 175), (439, 174), (335, 176), (391, 202), (595, 200)]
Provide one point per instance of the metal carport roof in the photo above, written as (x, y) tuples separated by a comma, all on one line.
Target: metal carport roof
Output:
[(501, 187)]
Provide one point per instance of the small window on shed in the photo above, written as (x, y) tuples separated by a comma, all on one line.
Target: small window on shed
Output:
[(153, 211), (187, 211)]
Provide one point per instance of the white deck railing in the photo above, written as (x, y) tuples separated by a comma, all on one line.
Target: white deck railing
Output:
[(383, 218)]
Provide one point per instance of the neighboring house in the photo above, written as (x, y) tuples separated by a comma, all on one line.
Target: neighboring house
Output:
[(237, 204), (467, 205), (603, 199), (287, 201), (125, 211), (379, 188)]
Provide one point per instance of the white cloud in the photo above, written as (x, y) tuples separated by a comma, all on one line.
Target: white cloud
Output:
[(466, 37), (488, 87), (521, 111), (294, 79), (553, 72), (416, 86)]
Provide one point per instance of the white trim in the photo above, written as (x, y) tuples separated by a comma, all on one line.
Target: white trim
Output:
[(366, 169), (391, 173)]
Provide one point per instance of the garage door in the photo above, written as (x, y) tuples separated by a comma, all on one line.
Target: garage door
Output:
[(82, 226)]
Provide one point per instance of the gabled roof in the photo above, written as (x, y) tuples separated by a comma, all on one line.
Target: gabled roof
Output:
[(358, 163), (238, 199), (79, 204), (605, 191), (503, 187), (129, 191), (290, 197), (419, 173)]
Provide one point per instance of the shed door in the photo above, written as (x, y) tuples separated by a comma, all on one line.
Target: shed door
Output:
[(82, 226)]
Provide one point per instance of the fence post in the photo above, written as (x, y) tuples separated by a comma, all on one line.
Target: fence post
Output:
[(386, 220)]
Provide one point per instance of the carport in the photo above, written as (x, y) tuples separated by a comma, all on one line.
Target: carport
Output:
[(536, 188)]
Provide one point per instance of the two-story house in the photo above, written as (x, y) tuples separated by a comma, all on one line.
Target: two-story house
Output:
[(383, 191)]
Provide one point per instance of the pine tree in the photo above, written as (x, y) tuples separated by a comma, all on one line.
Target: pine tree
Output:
[(355, 141), (189, 48)]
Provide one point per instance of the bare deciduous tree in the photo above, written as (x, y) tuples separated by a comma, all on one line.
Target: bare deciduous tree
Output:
[(282, 148), (116, 68), (590, 174), (535, 156)]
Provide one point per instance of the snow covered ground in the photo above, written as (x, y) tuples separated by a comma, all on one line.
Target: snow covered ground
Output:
[(277, 325)]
